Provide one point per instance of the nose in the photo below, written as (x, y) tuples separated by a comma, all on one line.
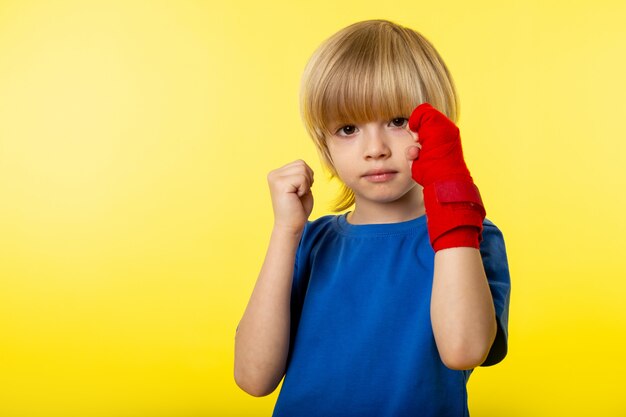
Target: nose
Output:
[(376, 145)]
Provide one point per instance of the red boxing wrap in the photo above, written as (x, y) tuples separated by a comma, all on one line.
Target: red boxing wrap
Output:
[(454, 208)]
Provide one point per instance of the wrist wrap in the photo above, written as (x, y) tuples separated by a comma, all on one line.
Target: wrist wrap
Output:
[(454, 208)]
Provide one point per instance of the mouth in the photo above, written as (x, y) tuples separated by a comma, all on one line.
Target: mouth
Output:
[(379, 175)]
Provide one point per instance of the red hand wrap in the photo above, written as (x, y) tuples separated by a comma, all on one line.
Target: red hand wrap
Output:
[(453, 204)]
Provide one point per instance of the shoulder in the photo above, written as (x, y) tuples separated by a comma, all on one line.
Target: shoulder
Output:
[(316, 230), (488, 224), (317, 233), (492, 238), (319, 226), (322, 221), (493, 252)]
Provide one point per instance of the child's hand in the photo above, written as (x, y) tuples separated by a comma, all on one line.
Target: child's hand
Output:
[(453, 204), (442, 155), (292, 199)]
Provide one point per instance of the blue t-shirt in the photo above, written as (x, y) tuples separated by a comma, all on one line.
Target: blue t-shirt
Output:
[(361, 338)]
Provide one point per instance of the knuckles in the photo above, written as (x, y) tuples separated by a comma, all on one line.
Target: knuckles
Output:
[(425, 117), (295, 173)]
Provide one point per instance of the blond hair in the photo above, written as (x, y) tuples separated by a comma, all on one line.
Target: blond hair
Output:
[(371, 70)]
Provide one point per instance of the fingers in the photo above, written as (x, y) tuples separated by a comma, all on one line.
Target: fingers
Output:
[(292, 199), (301, 184), (295, 177), (294, 168)]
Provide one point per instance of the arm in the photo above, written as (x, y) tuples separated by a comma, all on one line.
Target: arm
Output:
[(262, 338), (462, 310)]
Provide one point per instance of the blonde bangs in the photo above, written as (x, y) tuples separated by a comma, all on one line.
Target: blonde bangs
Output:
[(366, 86)]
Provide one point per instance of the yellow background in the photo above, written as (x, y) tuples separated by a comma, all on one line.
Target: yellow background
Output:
[(135, 139)]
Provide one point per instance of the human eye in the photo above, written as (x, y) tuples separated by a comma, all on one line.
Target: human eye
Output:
[(346, 130), (399, 122)]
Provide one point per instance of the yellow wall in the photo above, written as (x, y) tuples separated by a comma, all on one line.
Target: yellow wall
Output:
[(135, 139)]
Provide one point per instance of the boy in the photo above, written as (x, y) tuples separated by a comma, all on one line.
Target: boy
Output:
[(385, 310)]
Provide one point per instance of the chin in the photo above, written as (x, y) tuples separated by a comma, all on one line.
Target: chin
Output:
[(385, 197)]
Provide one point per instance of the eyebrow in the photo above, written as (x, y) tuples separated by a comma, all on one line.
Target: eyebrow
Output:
[(333, 127)]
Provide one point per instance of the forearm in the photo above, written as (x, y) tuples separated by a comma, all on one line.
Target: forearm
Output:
[(462, 311), (262, 339)]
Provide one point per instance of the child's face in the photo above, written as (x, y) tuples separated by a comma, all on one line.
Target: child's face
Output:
[(371, 158)]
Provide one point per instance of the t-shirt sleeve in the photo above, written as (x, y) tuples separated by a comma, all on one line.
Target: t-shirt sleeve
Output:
[(493, 252)]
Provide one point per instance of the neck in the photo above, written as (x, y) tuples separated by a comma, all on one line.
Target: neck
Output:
[(408, 207)]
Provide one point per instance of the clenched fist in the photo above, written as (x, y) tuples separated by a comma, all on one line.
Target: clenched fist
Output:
[(454, 208), (292, 199)]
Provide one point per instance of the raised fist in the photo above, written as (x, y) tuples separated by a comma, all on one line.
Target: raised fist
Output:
[(454, 208)]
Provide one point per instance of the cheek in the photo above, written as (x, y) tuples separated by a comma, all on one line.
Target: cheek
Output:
[(345, 168), (403, 141), (342, 157), (406, 137)]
